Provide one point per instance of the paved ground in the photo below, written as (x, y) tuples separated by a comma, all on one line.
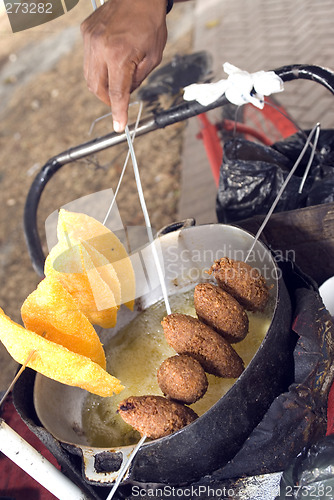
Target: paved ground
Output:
[(254, 35), (45, 108), (258, 35)]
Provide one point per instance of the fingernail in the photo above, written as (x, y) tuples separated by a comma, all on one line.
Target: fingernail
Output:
[(117, 126)]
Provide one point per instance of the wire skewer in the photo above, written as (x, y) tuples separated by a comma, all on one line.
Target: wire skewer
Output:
[(21, 370), (316, 130), (133, 135), (125, 467)]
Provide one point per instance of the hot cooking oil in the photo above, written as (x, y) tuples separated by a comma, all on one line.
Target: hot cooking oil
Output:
[(134, 356)]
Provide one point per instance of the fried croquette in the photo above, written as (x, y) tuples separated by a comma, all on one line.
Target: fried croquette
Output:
[(242, 281), (182, 378), (221, 311), (155, 416), (188, 335)]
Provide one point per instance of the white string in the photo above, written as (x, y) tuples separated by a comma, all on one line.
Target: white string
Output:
[(147, 221), (157, 262), (125, 467), (125, 163), (19, 373), (100, 118), (131, 153), (285, 183), (310, 160), (127, 462)]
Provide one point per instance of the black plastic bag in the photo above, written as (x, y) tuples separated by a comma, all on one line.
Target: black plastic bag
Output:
[(251, 175), (311, 474)]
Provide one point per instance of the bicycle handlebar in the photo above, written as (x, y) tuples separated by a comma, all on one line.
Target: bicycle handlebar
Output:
[(317, 74), (158, 120)]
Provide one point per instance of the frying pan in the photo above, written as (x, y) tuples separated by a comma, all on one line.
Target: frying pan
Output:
[(213, 439)]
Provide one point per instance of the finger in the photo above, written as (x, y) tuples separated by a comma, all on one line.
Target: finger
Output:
[(96, 74), (143, 69), (119, 109), (120, 87), (97, 83)]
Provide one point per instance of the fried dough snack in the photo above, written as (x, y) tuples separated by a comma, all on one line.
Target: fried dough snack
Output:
[(54, 360), (188, 335), (50, 311), (88, 275), (242, 281), (182, 378), (221, 311), (155, 416)]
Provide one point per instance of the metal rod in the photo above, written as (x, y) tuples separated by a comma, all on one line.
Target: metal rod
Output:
[(282, 189), (34, 464), (101, 143), (17, 376), (125, 467)]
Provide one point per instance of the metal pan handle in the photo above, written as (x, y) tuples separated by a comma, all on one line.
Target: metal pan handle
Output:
[(103, 467)]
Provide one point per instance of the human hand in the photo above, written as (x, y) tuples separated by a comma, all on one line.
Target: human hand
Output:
[(123, 42)]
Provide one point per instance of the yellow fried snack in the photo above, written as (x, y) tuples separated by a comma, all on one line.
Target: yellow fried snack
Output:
[(73, 267), (75, 227), (52, 312), (55, 361), (92, 259)]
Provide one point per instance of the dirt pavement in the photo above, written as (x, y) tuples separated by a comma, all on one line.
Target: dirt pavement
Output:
[(45, 108)]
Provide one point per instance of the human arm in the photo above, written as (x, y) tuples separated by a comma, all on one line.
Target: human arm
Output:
[(124, 41)]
